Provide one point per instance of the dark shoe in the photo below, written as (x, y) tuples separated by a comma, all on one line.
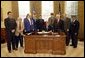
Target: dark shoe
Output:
[(66, 44), (16, 48), (9, 51), (74, 46), (71, 45), (22, 46)]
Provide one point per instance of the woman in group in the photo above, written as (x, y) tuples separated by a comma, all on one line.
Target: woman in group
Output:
[(19, 32)]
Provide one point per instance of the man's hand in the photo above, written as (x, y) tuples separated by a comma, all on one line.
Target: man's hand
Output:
[(25, 30), (75, 33), (50, 31), (20, 30), (67, 29), (23, 35), (13, 31), (38, 30)]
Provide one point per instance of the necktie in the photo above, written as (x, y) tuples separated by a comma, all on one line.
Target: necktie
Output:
[(31, 22)]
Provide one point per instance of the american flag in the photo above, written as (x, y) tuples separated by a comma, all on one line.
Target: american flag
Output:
[(59, 8), (33, 10)]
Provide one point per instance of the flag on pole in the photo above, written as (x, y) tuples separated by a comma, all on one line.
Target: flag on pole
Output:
[(59, 8), (33, 10)]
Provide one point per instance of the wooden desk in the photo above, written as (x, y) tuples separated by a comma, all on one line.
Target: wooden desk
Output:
[(3, 34), (45, 44)]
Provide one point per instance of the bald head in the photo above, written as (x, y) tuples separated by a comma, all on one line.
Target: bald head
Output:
[(58, 16)]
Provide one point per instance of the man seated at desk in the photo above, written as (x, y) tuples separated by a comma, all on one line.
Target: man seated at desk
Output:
[(50, 22), (58, 25), (40, 24)]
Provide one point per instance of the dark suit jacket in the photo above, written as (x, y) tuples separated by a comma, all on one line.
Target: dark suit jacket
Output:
[(40, 24), (74, 27), (66, 23), (34, 20), (50, 23), (57, 27), (10, 24), (27, 26)]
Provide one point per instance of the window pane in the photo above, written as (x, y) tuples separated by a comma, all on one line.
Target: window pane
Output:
[(24, 8), (71, 8), (47, 8)]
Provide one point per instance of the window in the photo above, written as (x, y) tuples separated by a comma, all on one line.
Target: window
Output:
[(71, 8), (47, 8), (24, 8)]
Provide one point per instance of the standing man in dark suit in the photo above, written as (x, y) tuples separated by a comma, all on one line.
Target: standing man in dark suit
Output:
[(40, 24), (28, 24), (50, 22), (10, 25), (74, 28), (58, 24), (34, 18), (67, 21)]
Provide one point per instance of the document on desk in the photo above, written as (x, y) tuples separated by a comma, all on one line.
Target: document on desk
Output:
[(45, 35), (43, 32), (29, 33), (57, 35), (39, 32)]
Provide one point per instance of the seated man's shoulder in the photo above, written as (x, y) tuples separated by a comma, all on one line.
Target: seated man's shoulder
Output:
[(6, 19)]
